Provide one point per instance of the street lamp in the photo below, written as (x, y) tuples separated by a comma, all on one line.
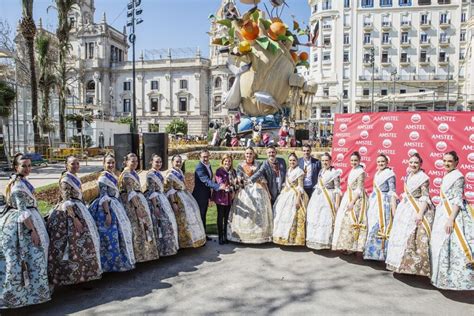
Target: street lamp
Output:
[(372, 60), (133, 11)]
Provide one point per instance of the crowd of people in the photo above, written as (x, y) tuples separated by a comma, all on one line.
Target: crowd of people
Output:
[(299, 204)]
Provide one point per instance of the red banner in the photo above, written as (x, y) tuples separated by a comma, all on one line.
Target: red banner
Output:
[(398, 135)]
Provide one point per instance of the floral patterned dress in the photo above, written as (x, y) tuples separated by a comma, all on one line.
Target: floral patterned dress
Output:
[(350, 228), (379, 216), (145, 246), (166, 228), (452, 255), (23, 266), (116, 241), (321, 212), (73, 257), (289, 225), (251, 216), (191, 233), (409, 243)]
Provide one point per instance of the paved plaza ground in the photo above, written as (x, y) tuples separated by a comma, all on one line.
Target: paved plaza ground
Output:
[(261, 279)]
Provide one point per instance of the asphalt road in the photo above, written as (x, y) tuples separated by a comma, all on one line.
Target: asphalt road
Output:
[(262, 279)]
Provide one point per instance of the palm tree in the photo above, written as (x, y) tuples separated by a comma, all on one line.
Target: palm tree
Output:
[(63, 8), (28, 31), (47, 80)]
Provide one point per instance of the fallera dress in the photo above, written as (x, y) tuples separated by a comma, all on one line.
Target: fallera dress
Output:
[(251, 216), (408, 250), (321, 211), (191, 233), (73, 257), (23, 265), (116, 240), (379, 215), (452, 264), (350, 228), (166, 228), (289, 225), (145, 245)]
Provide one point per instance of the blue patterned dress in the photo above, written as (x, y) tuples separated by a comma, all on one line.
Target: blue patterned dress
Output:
[(377, 238), (116, 243), (23, 266)]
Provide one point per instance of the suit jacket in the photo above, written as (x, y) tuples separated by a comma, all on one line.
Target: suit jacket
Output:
[(203, 183), (267, 172), (315, 168)]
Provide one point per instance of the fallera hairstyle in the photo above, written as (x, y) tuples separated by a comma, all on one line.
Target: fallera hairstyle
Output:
[(292, 155), (356, 153), (175, 156), (384, 156), (128, 157), (417, 155), (109, 155), (454, 155), (326, 154), (153, 156), (17, 160)]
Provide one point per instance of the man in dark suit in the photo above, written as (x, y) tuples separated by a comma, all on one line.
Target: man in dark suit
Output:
[(274, 171), (203, 184), (311, 167)]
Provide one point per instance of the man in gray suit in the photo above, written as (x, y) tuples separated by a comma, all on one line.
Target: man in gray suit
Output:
[(274, 171)]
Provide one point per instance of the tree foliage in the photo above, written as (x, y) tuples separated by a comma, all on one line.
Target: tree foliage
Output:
[(177, 126), (7, 96)]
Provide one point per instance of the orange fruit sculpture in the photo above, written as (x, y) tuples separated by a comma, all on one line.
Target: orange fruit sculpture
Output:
[(250, 30), (276, 29), (304, 56)]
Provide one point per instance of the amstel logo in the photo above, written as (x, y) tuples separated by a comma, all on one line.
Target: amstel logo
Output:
[(388, 126), (416, 118), (414, 135), (364, 134), (343, 127), (387, 143), (341, 142), (443, 127), (411, 152), (441, 146), (363, 150), (439, 164), (437, 182), (470, 176), (366, 119), (470, 157), (340, 157)]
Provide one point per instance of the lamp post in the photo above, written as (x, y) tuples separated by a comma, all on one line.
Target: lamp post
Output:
[(394, 75), (133, 11), (372, 60)]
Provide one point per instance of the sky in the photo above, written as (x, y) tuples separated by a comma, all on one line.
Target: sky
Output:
[(167, 23)]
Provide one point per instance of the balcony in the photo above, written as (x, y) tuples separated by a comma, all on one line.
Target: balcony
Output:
[(425, 24), (368, 26), (386, 25), (347, 25), (443, 61), (405, 25), (385, 62), (367, 62), (425, 61), (425, 43), (405, 61), (444, 42), (387, 43), (444, 24), (405, 43), (368, 44)]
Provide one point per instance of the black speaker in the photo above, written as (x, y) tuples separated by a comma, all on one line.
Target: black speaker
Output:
[(302, 134), (155, 143), (123, 145)]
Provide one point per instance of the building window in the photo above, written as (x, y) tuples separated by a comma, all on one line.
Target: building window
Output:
[(385, 56), (326, 92), (367, 3), (423, 57), (462, 54), (383, 108), (446, 1), (218, 83), (126, 85), (217, 103), (345, 94), (231, 82), (326, 57), (90, 50), (385, 38), (463, 17), (154, 85), (442, 57), (315, 57), (424, 2), (404, 37), (403, 91), (127, 105), (443, 18), (346, 39), (154, 104), (367, 38), (384, 92), (183, 84), (89, 99), (346, 57), (443, 37), (183, 104), (365, 92), (424, 38), (347, 3), (422, 90), (367, 58), (385, 3), (462, 36), (327, 4), (403, 57), (424, 19), (404, 3), (327, 40)]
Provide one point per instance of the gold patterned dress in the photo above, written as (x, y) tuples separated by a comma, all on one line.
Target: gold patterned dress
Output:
[(251, 216), (145, 245), (191, 233), (350, 229), (408, 250), (73, 257), (289, 225)]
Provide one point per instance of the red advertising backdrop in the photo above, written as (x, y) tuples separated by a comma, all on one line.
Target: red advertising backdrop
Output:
[(399, 134)]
